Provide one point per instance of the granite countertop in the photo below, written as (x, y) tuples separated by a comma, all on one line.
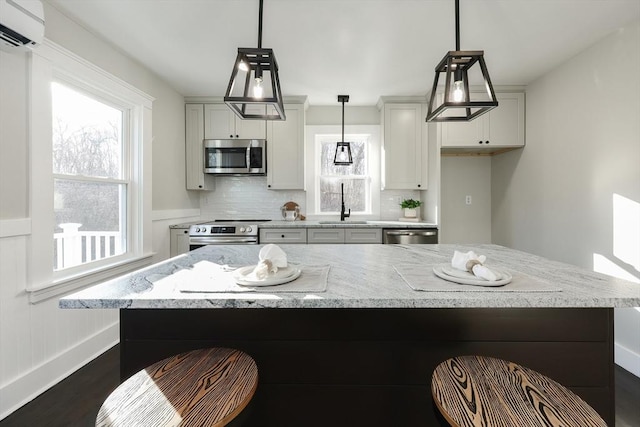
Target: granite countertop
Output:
[(362, 276), (324, 224), (346, 224)]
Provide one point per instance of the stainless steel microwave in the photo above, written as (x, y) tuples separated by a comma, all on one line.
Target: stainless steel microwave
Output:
[(235, 156)]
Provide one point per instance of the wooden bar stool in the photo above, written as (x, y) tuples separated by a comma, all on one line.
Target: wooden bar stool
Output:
[(483, 391), (206, 387)]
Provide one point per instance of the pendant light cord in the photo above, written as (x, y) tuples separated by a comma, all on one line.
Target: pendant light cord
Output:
[(457, 23), (342, 140), (260, 26)]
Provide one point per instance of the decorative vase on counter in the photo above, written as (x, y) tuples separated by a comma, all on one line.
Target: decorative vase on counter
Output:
[(410, 212)]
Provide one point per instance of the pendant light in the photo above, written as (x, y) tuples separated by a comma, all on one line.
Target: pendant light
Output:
[(459, 104), (343, 149), (254, 88)]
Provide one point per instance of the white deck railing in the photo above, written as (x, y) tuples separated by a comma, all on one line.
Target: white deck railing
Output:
[(73, 247)]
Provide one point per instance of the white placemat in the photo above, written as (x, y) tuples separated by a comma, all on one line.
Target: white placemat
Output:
[(206, 276), (422, 278)]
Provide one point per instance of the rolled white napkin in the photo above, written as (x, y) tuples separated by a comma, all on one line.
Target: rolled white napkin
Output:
[(271, 258), (472, 262)]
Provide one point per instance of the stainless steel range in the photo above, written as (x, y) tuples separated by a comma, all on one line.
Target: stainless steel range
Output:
[(225, 232)]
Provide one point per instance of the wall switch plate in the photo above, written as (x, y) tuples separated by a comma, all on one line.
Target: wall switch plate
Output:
[(467, 200)]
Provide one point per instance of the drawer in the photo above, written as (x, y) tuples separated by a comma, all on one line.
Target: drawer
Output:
[(283, 235), (325, 235), (363, 235)]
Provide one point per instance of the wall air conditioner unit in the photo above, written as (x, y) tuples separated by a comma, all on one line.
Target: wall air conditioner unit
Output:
[(21, 23)]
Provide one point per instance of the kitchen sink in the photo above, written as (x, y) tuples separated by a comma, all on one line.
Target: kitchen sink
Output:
[(342, 222)]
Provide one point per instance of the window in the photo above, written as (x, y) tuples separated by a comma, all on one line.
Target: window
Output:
[(355, 177), (90, 132), (89, 182), (361, 179)]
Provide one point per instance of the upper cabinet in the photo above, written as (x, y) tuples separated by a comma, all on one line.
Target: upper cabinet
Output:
[(194, 151), (500, 129), (222, 123), (404, 159), (285, 150)]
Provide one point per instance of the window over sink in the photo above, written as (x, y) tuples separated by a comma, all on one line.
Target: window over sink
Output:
[(361, 179)]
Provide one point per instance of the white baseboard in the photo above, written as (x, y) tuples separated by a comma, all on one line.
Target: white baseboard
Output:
[(28, 386), (627, 359)]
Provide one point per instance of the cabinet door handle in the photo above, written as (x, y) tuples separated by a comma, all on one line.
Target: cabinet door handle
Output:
[(230, 136), (418, 185), (486, 142), (479, 142)]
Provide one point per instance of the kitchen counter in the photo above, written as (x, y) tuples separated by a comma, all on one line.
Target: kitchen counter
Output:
[(346, 224), (362, 276), (324, 224), (362, 352)]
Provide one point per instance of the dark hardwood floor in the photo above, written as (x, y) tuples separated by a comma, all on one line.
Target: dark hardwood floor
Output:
[(75, 400)]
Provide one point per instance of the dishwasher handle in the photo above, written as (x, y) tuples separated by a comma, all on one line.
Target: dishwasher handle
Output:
[(410, 233)]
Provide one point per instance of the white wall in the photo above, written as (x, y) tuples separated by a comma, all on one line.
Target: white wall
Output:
[(565, 196), (463, 176), (39, 343)]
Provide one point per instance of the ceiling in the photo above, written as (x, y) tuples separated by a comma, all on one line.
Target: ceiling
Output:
[(364, 48)]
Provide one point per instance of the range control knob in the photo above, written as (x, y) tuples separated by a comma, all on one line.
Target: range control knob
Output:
[(204, 229), (242, 229), (248, 229), (197, 229)]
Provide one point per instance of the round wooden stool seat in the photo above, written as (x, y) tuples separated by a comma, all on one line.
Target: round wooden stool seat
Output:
[(483, 391), (206, 387)]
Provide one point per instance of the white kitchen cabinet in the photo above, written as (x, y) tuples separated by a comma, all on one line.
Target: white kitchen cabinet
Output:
[(194, 151), (222, 123), (283, 235), (363, 235), (404, 162), (344, 235), (325, 235), (178, 241), (502, 127), (285, 150)]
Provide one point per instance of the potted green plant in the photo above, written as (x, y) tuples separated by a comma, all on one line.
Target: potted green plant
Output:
[(410, 207)]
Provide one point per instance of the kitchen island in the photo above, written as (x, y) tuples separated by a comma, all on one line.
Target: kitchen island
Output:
[(362, 351)]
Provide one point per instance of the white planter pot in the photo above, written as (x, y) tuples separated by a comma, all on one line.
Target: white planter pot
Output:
[(410, 212)]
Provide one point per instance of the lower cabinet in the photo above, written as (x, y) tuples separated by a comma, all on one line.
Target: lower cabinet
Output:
[(320, 235), (344, 235), (178, 241), (283, 235), (363, 235), (325, 235)]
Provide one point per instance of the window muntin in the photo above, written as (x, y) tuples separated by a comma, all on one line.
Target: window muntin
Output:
[(90, 177)]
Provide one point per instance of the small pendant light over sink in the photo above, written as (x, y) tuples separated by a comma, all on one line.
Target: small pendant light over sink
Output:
[(459, 104), (343, 149), (254, 88)]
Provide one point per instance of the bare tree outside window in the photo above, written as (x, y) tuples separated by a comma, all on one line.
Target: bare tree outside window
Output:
[(354, 177), (89, 189)]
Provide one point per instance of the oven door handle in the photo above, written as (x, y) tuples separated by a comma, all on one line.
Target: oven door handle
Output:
[(218, 241)]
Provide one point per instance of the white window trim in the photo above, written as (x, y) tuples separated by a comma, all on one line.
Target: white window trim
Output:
[(312, 167), (52, 62)]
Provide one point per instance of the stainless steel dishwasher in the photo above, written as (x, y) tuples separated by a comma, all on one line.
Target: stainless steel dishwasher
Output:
[(409, 236)]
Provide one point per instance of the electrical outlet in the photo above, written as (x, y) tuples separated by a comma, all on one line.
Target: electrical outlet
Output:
[(467, 200)]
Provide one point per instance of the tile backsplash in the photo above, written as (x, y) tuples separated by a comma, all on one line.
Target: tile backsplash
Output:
[(247, 197)]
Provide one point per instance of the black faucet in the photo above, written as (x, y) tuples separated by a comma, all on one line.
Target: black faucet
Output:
[(343, 214)]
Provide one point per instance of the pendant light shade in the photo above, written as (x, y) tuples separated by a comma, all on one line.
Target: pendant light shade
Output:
[(254, 88), (459, 103), (343, 149)]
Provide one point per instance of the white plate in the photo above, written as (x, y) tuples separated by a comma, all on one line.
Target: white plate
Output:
[(244, 276), (466, 278)]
